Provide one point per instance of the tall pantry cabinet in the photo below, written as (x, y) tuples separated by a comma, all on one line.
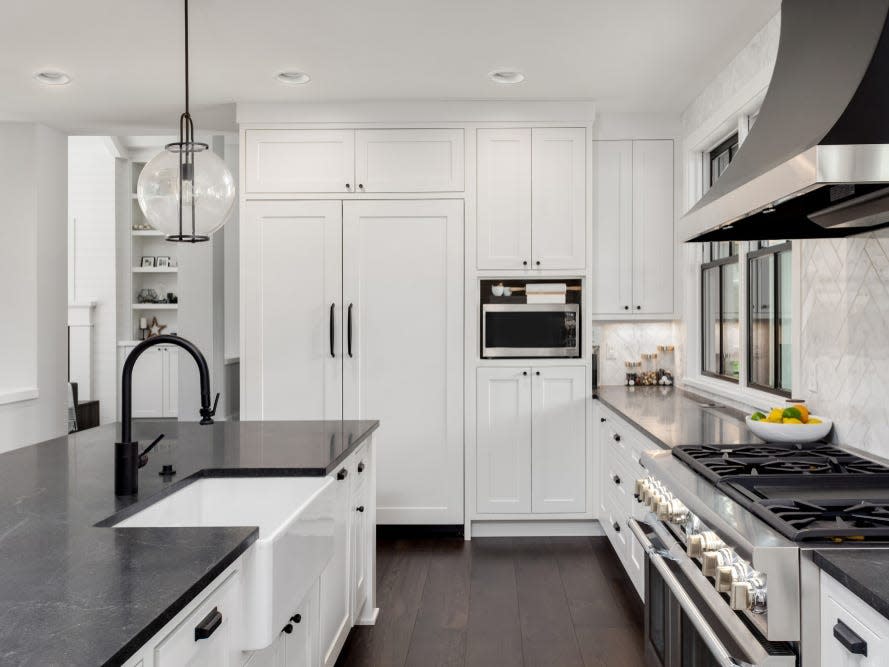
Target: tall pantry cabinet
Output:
[(354, 309)]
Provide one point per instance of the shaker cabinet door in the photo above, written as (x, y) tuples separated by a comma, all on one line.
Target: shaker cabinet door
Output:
[(281, 161), (406, 160)]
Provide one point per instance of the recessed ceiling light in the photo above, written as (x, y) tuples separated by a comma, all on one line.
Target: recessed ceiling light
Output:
[(53, 78), (506, 76), (293, 78)]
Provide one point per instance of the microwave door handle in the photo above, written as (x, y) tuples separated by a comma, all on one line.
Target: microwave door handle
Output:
[(717, 648)]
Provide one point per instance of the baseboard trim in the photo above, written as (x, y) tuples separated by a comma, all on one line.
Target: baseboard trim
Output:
[(411, 531), (536, 528), (370, 619)]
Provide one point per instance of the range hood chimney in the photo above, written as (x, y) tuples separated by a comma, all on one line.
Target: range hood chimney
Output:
[(816, 163)]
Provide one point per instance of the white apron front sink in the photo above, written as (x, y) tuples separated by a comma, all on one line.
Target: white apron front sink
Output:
[(295, 516)]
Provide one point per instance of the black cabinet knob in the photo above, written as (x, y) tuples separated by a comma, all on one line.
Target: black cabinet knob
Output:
[(616, 437), (616, 479), (602, 419), (616, 527), (288, 628), (536, 372), (361, 467), (348, 185), (524, 262), (360, 508), (638, 307), (296, 618), (524, 372), (537, 262), (341, 475), (626, 307)]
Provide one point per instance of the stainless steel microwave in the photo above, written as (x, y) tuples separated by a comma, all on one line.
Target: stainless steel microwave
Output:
[(524, 330)]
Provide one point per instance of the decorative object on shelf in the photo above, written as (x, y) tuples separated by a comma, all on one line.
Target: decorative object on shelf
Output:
[(186, 191), (507, 291), (665, 371), (142, 227), (172, 298), (143, 328), (155, 328), (546, 292), (162, 262), (147, 262), (497, 290), (147, 295), (633, 368)]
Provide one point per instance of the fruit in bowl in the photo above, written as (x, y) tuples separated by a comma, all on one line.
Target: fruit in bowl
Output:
[(790, 424)]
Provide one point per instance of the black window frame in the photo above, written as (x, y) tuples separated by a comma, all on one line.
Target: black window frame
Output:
[(731, 144), (763, 251), (713, 264)]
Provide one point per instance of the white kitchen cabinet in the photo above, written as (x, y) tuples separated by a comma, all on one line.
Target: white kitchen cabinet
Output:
[(279, 161), (403, 298), (558, 198), (531, 198), (531, 440), (361, 509), (503, 210), (558, 434), (291, 273), (404, 160), (839, 605), (503, 441), (653, 234), (155, 382), (633, 242), (334, 584), (613, 228)]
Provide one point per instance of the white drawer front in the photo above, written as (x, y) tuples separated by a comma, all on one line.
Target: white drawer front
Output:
[(840, 605)]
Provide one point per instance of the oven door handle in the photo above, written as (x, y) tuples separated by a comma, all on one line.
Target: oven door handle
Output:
[(720, 652)]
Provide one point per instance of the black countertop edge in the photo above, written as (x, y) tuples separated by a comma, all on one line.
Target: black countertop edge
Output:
[(144, 635), (660, 443), (862, 571)]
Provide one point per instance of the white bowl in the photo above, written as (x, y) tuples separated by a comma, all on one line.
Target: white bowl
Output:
[(790, 432)]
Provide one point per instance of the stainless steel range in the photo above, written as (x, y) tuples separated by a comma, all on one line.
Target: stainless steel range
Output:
[(729, 532)]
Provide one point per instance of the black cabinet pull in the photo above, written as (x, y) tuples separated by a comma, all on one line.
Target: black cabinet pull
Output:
[(360, 508), (537, 262), (616, 479), (626, 307), (616, 527), (847, 637), (361, 186), (361, 467), (524, 262), (208, 626), (349, 329), (536, 372), (524, 372), (341, 475), (616, 437), (288, 628), (348, 185), (332, 329), (602, 419), (296, 618), (638, 307)]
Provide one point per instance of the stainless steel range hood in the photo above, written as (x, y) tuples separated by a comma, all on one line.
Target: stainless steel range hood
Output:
[(816, 163)]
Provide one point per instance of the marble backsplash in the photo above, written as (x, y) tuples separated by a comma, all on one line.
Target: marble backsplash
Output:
[(845, 336), (626, 341)]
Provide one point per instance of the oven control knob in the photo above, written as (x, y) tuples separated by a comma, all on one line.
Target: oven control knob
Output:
[(749, 595), (641, 484), (696, 545), (728, 575), (672, 511), (712, 560)]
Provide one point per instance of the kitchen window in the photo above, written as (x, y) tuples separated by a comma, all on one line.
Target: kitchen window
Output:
[(720, 312), (720, 157), (769, 316)]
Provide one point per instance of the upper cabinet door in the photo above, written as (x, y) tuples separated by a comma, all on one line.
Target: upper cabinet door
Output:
[(558, 431), (409, 160), (291, 272), (612, 288), (653, 229), (280, 161), (503, 213), (558, 198)]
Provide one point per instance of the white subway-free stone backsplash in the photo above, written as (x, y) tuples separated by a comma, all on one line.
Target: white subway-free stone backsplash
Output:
[(845, 336), (628, 341)]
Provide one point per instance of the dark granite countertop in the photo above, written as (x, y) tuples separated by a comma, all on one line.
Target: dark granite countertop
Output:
[(862, 571), (73, 593), (672, 416)]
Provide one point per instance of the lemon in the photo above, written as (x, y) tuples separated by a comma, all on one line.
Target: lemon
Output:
[(775, 416), (791, 420), (814, 420)]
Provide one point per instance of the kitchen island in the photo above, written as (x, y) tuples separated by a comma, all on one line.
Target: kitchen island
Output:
[(76, 592)]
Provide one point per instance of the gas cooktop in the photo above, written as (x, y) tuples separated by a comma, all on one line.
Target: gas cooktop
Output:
[(807, 492)]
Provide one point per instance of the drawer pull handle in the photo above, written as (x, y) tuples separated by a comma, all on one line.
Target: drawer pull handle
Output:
[(847, 637), (296, 618), (288, 628), (602, 419), (341, 475), (360, 508), (616, 437), (616, 527), (361, 467), (208, 626), (615, 479)]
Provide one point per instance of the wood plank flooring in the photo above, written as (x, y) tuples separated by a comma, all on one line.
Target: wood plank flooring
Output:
[(559, 602)]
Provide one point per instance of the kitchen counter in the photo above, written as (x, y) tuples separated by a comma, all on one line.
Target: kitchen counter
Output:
[(74, 593), (862, 571), (672, 416)]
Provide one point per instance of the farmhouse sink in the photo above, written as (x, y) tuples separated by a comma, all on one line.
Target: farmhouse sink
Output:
[(295, 516)]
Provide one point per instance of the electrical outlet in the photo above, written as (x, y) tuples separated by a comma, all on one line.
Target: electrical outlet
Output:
[(610, 354)]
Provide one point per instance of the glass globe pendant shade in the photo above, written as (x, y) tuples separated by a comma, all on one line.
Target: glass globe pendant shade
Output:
[(207, 186)]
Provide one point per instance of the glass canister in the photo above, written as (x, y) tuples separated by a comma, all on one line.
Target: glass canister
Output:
[(633, 369), (667, 365), (648, 376)]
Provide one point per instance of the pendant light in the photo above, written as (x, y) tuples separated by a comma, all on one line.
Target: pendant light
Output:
[(186, 191)]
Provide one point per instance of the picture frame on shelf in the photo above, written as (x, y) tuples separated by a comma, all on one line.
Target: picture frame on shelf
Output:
[(162, 262), (148, 262)]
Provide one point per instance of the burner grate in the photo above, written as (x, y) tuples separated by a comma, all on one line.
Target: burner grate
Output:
[(835, 519)]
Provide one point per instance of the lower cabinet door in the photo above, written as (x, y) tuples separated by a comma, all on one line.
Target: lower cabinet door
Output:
[(558, 434), (270, 656), (301, 643), (333, 586), (503, 445), (360, 519)]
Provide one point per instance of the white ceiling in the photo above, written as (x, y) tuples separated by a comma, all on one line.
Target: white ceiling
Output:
[(125, 56)]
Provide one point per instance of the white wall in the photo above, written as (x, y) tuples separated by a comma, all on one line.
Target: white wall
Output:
[(38, 156), (232, 263), (92, 257)]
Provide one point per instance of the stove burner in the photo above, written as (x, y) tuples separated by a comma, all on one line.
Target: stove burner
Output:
[(796, 466), (831, 519)]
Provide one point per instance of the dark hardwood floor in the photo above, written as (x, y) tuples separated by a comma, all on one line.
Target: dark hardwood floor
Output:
[(557, 601)]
